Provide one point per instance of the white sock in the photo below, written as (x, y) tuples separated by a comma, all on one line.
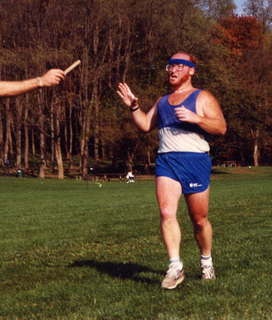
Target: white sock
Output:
[(176, 262), (206, 261)]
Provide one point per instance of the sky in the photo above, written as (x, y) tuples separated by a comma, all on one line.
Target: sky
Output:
[(239, 4)]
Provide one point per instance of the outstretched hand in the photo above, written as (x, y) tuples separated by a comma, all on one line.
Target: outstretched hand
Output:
[(126, 95), (51, 78)]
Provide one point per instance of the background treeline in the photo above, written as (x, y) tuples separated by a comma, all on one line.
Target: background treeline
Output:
[(82, 123)]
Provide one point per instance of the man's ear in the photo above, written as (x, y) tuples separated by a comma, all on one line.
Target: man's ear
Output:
[(192, 71)]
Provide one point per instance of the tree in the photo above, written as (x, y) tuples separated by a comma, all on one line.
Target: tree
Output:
[(261, 10), (124, 40), (217, 9), (244, 37)]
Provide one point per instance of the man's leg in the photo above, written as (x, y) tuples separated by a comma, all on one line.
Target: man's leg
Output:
[(168, 194), (198, 206)]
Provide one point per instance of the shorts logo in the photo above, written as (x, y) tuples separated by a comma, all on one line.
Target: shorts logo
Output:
[(195, 185)]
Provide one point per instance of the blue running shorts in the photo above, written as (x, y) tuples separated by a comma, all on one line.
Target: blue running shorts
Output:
[(191, 169)]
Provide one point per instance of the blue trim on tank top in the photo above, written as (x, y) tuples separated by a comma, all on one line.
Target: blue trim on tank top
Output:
[(184, 153)]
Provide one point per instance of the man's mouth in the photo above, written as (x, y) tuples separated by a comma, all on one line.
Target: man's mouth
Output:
[(173, 76)]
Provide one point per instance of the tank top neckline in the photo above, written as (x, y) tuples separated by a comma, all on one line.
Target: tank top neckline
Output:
[(182, 102)]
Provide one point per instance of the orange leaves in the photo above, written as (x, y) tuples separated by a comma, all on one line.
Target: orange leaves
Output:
[(239, 34)]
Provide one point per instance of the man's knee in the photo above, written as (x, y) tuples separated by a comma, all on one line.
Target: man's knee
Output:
[(200, 223), (167, 214)]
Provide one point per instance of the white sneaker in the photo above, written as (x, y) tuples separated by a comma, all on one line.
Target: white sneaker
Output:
[(207, 273), (174, 276)]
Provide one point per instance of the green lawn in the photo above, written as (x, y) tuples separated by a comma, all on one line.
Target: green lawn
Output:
[(71, 250)]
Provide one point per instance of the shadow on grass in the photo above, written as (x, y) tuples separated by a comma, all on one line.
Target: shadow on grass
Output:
[(119, 270), (219, 171)]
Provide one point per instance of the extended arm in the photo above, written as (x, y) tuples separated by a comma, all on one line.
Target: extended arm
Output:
[(144, 121), (209, 115), (14, 88)]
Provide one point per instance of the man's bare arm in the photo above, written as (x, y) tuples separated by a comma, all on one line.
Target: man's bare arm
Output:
[(144, 121), (209, 115), (14, 88)]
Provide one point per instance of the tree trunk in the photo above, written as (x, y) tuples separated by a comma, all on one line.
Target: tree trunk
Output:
[(148, 157), (95, 104), (84, 154), (256, 135), (103, 148), (42, 137), (1, 141), (59, 159), (26, 136), (57, 146), (85, 143), (70, 138), (33, 146), (8, 133), (18, 134), (82, 142), (52, 136), (130, 158)]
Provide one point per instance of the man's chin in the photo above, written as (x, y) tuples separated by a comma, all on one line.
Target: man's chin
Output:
[(174, 81)]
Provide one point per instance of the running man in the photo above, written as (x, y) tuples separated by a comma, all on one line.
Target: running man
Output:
[(14, 88), (183, 166)]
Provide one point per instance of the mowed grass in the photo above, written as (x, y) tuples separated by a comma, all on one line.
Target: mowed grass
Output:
[(72, 250)]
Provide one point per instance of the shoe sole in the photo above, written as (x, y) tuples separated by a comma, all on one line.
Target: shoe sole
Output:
[(179, 281), (207, 279)]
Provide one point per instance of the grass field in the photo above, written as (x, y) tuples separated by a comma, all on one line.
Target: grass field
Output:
[(71, 250)]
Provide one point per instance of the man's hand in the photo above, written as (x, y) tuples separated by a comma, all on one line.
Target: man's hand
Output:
[(51, 78), (126, 95), (187, 115)]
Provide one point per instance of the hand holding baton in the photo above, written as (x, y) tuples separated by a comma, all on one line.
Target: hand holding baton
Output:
[(72, 66)]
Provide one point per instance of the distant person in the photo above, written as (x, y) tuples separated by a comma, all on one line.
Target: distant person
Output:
[(13, 88), (183, 164), (130, 178)]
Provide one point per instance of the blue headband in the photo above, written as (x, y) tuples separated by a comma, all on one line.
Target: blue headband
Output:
[(182, 61)]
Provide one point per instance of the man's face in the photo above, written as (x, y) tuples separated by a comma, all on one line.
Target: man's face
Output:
[(179, 73)]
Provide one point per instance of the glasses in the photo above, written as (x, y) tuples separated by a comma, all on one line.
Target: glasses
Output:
[(171, 67)]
